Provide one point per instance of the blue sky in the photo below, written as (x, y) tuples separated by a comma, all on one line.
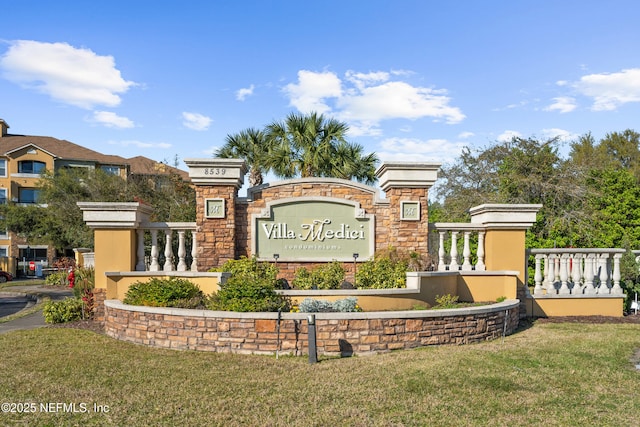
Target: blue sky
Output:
[(415, 80)]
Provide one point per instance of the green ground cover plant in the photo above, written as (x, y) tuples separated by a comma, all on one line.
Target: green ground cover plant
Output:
[(546, 374)]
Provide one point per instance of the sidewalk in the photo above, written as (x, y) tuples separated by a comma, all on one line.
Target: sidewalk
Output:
[(34, 320)]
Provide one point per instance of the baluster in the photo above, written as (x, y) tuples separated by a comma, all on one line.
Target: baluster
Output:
[(576, 274), (480, 264), (537, 277), (140, 266), (441, 265), (453, 266), (194, 261), (182, 252), (564, 275), (589, 275), (466, 252), (154, 265), (168, 253), (551, 274), (604, 274), (616, 289)]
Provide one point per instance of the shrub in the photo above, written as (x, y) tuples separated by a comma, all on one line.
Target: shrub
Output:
[(249, 268), (251, 287), (310, 305), (67, 310), (387, 269), (59, 278), (446, 301), (240, 294), (83, 284), (327, 276), (169, 292)]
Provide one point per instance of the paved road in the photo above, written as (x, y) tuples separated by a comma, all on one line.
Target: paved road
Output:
[(13, 296)]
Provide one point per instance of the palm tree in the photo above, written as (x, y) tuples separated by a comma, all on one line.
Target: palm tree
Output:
[(312, 145), (252, 146)]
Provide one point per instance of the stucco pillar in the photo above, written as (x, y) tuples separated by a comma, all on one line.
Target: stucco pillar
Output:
[(504, 243), (114, 229), (406, 185), (217, 182)]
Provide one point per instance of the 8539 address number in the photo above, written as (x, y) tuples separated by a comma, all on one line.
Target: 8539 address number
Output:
[(215, 171)]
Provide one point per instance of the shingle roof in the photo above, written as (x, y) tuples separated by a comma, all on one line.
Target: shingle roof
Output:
[(141, 165), (60, 148), (66, 150)]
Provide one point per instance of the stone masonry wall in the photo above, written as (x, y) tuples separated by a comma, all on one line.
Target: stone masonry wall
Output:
[(338, 336)]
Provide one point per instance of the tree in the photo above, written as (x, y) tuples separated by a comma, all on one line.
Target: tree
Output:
[(252, 146), (314, 146), (60, 223)]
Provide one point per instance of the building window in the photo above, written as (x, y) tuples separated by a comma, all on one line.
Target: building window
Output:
[(31, 166), (111, 170), (28, 195), (3, 167), (3, 196), (33, 254), (4, 251)]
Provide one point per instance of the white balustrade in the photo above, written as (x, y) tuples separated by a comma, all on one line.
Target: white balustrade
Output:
[(450, 261), (577, 271), (150, 260)]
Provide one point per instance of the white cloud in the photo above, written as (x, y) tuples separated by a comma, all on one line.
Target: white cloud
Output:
[(561, 134), (112, 120), (465, 135), (243, 93), (67, 74), (508, 135), (611, 90), (412, 149), (562, 104), (140, 144), (363, 100), (196, 121), (312, 89)]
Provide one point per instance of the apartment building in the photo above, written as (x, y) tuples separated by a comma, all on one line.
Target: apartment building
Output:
[(22, 160)]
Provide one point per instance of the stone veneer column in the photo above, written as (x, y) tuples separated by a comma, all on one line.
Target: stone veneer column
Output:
[(409, 183), (215, 180)]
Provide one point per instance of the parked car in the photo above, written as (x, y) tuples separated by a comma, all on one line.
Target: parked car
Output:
[(5, 277)]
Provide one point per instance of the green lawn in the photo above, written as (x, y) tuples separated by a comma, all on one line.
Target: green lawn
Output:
[(548, 374)]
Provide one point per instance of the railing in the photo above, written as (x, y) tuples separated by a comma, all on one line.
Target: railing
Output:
[(164, 260), (454, 261), (573, 272)]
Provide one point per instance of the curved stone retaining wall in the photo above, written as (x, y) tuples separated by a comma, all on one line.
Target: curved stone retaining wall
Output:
[(337, 333)]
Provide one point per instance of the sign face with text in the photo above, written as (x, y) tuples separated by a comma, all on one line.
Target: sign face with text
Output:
[(314, 230)]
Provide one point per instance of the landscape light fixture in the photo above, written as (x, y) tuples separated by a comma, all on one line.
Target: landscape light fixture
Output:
[(355, 268), (275, 257)]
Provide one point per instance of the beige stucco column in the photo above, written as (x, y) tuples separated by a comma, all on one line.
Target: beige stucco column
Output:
[(406, 185), (217, 182), (505, 226), (114, 226)]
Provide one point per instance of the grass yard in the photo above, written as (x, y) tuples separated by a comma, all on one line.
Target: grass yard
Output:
[(549, 374)]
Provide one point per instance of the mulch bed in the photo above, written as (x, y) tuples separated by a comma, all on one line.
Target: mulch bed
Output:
[(631, 318)]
